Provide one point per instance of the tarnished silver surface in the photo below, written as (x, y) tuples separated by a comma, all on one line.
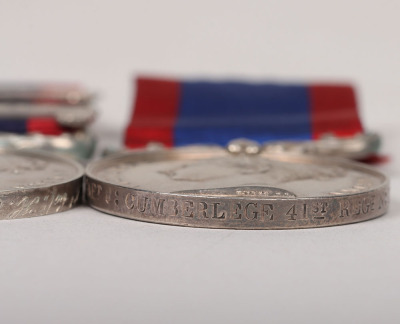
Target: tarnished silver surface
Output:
[(79, 145), (34, 183), (204, 186)]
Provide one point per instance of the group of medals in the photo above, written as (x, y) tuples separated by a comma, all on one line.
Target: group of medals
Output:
[(244, 184)]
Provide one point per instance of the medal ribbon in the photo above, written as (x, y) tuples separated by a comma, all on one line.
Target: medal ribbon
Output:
[(178, 113), (46, 126)]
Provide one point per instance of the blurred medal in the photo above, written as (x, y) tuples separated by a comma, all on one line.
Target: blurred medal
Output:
[(79, 145), (45, 93), (47, 116)]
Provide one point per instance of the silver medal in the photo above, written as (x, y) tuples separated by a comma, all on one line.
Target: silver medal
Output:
[(35, 183), (203, 186)]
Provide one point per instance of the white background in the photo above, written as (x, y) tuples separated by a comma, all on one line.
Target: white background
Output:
[(82, 266)]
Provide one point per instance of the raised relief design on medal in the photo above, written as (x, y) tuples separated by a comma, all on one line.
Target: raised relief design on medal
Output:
[(244, 191), (21, 165), (29, 172), (360, 184), (250, 168), (203, 170)]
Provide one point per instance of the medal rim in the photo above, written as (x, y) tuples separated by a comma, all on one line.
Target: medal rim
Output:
[(45, 199), (111, 199)]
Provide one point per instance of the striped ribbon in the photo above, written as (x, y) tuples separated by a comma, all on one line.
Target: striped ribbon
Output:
[(46, 126), (177, 113)]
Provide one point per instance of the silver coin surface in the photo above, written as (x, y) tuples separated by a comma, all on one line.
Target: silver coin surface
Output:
[(210, 187), (34, 183)]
